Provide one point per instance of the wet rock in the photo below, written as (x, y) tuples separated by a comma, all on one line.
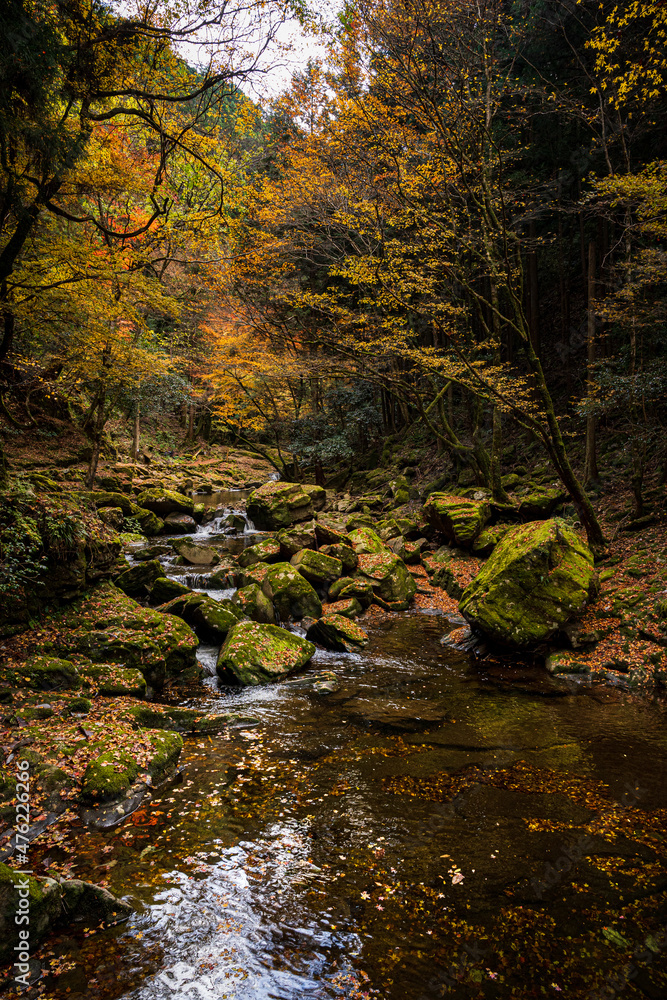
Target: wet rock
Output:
[(338, 633), (539, 577), (294, 539), (164, 502), (254, 604), (291, 594), (279, 505), (409, 715), (137, 581), (42, 898), (317, 567), (111, 774), (114, 681), (184, 720), (152, 552), (459, 519), (566, 662), (179, 524), (113, 516), (164, 590), (211, 620), (349, 608), (267, 550), (196, 555), (324, 682), (345, 553), (388, 576), (257, 654), (225, 575), (92, 904)]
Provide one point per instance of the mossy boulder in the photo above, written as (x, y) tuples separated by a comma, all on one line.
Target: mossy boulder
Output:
[(149, 522), (182, 720), (279, 505), (337, 632), (352, 588), (41, 899), (317, 494), (111, 774), (42, 673), (254, 604), (103, 499), (106, 626), (485, 543), (328, 533), (113, 681), (257, 654), (538, 578), (388, 576), (195, 555), (349, 607), (459, 519), (254, 574), (163, 502), (317, 567), (290, 593), (113, 516), (345, 553), (179, 524), (292, 540), (137, 581), (268, 550), (164, 590), (211, 620), (541, 504), (365, 540)]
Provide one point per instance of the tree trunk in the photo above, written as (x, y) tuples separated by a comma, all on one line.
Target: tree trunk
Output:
[(533, 294), (98, 431), (134, 452), (190, 436), (591, 467)]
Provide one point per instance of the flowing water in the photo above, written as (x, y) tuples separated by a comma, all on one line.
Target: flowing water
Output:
[(433, 827)]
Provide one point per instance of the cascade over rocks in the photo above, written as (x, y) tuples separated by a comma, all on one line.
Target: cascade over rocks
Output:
[(257, 654), (538, 577), (279, 505)]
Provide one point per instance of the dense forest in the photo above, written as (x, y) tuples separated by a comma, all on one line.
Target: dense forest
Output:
[(333, 499), (450, 231)]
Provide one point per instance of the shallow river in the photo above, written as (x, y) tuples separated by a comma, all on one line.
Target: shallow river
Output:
[(433, 828)]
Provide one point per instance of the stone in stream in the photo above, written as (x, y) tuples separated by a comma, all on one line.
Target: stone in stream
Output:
[(164, 590), (137, 581), (338, 633), (345, 553), (254, 604), (459, 519), (211, 620), (179, 524), (323, 682), (196, 555), (111, 773), (349, 607), (389, 577), (51, 903), (538, 577), (184, 720), (152, 552), (317, 567), (163, 502), (292, 540), (267, 550), (279, 505), (257, 654), (290, 593), (404, 715)]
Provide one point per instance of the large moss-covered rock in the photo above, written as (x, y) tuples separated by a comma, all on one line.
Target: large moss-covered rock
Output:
[(317, 567), (459, 519), (538, 577), (257, 654), (268, 550), (254, 604), (317, 494), (349, 607), (292, 540), (42, 673), (278, 505), (137, 581), (345, 553), (388, 576), (175, 719), (164, 590), (113, 681), (211, 620), (179, 524), (110, 775), (163, 502), (485, 543), (106, 626), (290, 593), (113, 516), (149, 522), (365, 540), (339, 633), (348, 588), (196, 555), (331, 533)]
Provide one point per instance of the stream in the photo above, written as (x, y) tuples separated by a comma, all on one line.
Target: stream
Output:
[(434, 827)]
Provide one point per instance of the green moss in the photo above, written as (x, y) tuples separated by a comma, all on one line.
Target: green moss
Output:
[(365, 540), (210, 619), (278, 505), (317, 567), (291, 594), (338, 633), (459, 519), (268, 550), (257, 654)]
